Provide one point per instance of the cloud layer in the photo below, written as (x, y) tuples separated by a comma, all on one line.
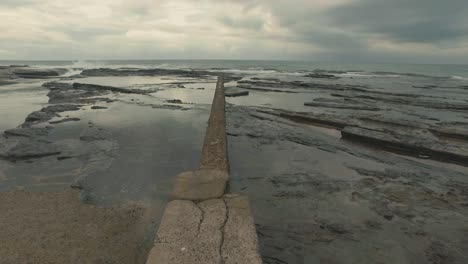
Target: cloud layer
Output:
[(427, 31)]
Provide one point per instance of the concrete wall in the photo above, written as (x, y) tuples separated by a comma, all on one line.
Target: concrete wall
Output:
[(204, 224)]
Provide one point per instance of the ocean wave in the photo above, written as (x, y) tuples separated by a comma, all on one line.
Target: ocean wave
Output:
[(245, 71), (459, 78), (383, 74)]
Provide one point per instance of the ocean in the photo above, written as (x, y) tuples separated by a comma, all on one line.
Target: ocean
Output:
[(456, 71)]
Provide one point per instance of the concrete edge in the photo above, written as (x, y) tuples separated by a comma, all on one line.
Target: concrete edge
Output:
[(203, 224)]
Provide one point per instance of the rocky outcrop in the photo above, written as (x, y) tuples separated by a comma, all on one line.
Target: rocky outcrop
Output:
[(419, 143), (33, 73), (343, 106), (145, 72), (233, 92), (94, 87), (322, 76), (29, 149), (49, 112)]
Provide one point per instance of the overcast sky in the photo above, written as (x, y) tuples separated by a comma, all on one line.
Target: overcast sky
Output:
[(420, 31)]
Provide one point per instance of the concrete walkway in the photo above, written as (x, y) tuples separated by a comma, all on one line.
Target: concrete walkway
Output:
[(204, 224)]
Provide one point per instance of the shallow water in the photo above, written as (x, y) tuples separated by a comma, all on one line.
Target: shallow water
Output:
[(19, 100)]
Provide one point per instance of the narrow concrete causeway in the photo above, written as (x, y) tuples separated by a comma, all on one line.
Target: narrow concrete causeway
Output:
[(204, 224)]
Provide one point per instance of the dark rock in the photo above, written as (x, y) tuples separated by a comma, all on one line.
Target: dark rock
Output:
[(93, 87), (175, 101), (71, 119), (232, 92), (265, 89), (324, 120), (266, 79), (49, 112), (343, 106), (322, 76), (38, 73), (98, 107), (417, 142), (399, 99), (438, 253), (27, 132), (30, 149), (39, 116), (170, 107), (373, 225), (95, 134), (425, 86), (67, 93), (146, 72), (337, 228)]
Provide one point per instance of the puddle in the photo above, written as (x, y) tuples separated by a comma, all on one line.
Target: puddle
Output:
[(18, 100)]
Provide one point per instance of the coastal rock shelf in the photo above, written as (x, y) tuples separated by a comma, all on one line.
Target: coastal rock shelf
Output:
[(331, 161)]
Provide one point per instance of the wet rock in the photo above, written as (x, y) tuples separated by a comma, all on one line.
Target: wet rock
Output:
[(383, 210), (425, 86), (322, 76), (264, 89), (266, 79), (71, 119), (27, 132), (39, 116), (419, 143), (146, 72), (399, 99), (95, 134), (30, 149), (38, 73), (175, 101), (343, 106), (170, 107), (375, 225), (94, 87), (337, 228), (452, 133), (58, 108), (66, 93), (325, 120), (232, 92), (437, 253), (96, 107), (49, 112)]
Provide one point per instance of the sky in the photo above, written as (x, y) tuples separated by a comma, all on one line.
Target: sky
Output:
[(403, 31)]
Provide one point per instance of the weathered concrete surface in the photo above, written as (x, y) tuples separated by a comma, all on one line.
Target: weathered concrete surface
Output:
[(205, 225), (200, 185), (214, 154), (214, 231), (240, 237)]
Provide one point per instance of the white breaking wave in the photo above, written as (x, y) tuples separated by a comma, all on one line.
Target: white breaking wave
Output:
[(366, 75), (459, 78)]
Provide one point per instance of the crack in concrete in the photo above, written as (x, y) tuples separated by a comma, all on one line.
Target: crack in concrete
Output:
[(222, 228), (202, 218)]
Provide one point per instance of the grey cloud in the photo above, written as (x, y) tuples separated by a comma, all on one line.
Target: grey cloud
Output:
[(366, 30), (247, 23), (429, 21), (15, 3), (89, 34)]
